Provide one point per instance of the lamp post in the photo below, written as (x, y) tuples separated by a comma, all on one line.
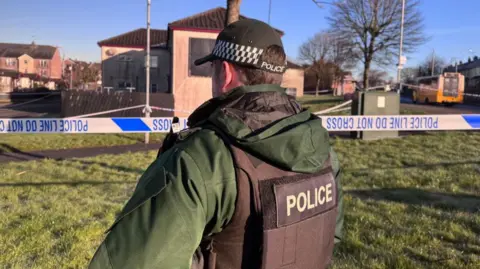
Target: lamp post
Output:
[(400, 50), (147, 110), (269, 10)]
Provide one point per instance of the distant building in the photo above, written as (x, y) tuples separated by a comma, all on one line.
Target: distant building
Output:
[(326, 81), (471, 71), (83, 75), (173, 52), (29, 66), (345, 86)]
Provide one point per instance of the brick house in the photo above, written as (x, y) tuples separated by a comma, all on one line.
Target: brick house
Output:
[(29, 65), (339, 86), (173, 52), (73, 71)]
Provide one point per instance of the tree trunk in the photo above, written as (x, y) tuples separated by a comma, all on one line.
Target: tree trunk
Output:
[(233, 11), (366, 70), (317, 87)]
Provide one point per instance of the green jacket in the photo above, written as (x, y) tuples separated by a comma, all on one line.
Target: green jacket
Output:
[(190, 191)]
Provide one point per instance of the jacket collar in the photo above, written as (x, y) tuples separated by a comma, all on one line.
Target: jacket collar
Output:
[(203, 112)]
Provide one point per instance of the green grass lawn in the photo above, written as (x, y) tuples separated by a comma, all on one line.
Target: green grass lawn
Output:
[(411, 202), (33, 142)]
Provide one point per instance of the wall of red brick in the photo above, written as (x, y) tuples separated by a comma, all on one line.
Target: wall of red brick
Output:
[(3, 64), (56, 65)]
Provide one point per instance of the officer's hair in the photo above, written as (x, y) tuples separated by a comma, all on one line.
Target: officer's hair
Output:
[(252, 76)]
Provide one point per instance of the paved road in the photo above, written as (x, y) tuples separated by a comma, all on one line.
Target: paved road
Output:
[(31, 110)]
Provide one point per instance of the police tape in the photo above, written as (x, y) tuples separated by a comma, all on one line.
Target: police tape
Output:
[(162, 125)]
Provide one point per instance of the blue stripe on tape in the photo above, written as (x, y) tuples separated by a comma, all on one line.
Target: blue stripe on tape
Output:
[(472, 120), (131, 124)]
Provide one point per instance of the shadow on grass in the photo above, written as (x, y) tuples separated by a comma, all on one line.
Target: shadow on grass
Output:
[(411, 196), (110, 166), (408, 166), (418, 256), (5, 149), (66, 183), (137, 139)]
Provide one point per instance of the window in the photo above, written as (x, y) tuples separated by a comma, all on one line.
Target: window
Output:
[(43, 63), (26, 61), (124, 58), (169, 83), (154, 87), (10, 62), (44, 73), (124, 84), (153, 61), (198, 48)]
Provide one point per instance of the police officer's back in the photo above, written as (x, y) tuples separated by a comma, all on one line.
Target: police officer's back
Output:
[(253, 183)]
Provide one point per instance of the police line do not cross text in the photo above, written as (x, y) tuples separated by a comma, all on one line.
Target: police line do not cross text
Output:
[(162, 125), (351, 123)]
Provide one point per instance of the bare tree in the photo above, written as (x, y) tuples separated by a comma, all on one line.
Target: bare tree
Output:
[(314, 52), (409, 75), (233, 11), (438, 64), (340, 53), (373, 27), (377, 77), (322, 55), (326, 55)]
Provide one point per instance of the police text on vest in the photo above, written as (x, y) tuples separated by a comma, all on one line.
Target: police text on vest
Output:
[(310, 199)]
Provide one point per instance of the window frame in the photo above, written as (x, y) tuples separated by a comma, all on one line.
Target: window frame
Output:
[(204, 70)]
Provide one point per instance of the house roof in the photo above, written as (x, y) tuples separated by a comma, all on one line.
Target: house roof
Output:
[(293, 65), (464, 66), (212, 19), (136, 38), (11, 50)]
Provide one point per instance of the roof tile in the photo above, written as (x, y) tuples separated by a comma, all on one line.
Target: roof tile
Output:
[(212, 19), (11, 50), (136, 38)]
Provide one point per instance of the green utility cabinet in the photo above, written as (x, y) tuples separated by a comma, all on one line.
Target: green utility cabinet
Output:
[(375, 103)]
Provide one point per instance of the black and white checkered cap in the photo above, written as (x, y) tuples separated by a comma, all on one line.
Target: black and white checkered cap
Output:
[(244, 43), (237, 53)]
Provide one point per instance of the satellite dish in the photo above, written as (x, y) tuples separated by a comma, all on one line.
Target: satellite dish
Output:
[(110, 52)]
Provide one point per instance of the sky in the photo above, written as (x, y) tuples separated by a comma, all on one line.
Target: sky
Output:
[(77, 26)]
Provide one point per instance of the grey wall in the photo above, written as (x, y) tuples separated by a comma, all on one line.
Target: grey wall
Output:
[(116, 70)]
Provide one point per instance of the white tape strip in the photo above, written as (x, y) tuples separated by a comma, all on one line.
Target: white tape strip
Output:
[(161, 125)]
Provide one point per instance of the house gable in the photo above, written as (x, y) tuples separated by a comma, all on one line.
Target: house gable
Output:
[(26, 64)]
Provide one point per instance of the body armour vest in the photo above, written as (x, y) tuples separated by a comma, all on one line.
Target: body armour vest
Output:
[(282, 219)]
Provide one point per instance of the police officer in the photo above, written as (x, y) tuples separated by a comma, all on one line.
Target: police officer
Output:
[(253, 183)]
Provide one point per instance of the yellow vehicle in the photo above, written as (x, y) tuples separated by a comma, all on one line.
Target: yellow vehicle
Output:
[(442, 89)]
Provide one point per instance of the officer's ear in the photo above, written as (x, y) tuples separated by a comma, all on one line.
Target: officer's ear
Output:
[(231, 77), (228, 73)]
